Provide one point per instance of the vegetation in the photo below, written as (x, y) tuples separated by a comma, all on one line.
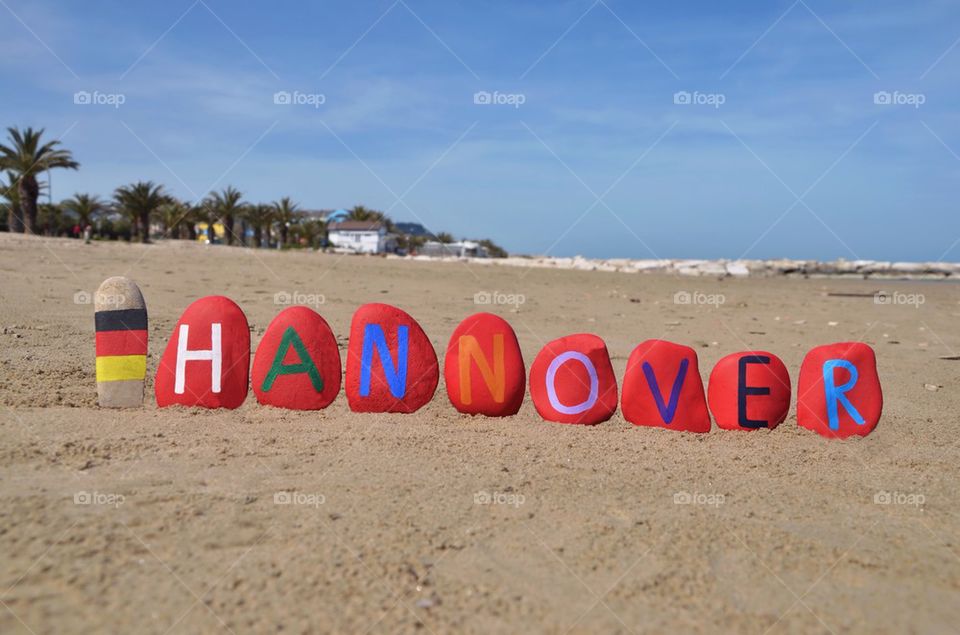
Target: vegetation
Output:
[(285, 214), (140, 202), (144, 209), (26, 156), (87, 208), (225, 207)]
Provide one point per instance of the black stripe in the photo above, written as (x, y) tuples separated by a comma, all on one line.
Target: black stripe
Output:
[(122, 320)]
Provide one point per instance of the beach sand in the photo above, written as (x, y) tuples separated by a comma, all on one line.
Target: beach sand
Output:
[(388, 531)]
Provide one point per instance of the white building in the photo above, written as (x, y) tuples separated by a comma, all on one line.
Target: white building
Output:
[(362, 237), (459, 249)]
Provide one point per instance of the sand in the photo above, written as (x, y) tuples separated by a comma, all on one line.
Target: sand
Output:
[(437, 522)]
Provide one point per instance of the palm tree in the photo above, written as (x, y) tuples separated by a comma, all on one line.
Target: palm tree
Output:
[(445, 238), (27, 157), (259, 216), (311, 231), (285, 213), (86, 207), (227, 206), (10, 191), (140, 201), (359, 212), (172, 215), (50, 219)]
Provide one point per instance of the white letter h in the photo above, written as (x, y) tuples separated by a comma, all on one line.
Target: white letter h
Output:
[(213, 355)]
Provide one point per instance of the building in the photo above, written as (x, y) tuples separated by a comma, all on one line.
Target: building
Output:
[(362, 237), (337, 216), (459, 249)]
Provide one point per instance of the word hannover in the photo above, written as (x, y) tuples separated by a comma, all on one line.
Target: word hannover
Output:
[(392, 367)]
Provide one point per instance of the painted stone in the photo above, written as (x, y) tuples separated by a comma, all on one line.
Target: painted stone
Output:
[(572, 381), (391, 364), (120, 320), (483, 368), (749, 390), (207, 360), (662, 388), (839, 393), (297, 363)]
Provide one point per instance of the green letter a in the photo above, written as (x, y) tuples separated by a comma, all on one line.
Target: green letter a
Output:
[(306, 365)]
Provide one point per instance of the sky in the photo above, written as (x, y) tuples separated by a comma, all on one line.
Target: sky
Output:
[(605, 128)]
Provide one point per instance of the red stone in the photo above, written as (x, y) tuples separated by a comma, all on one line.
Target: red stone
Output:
[(572, 381), (662, 400), (483, 368), (749, 390), (202, 318), (306, 376), (824, 397), (380, 377)]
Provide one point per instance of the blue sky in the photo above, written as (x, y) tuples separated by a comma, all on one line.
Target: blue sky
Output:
[(782, 152)]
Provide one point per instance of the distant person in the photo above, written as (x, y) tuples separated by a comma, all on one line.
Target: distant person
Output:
[(87, 233)]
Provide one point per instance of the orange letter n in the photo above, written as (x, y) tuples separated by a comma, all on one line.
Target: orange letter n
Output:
[(494, 378)]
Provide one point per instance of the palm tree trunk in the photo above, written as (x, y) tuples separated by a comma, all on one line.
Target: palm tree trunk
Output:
[(228, 228), (14, 219), (29, 191), (144, 226), (267, 233), (283, 234), (257, 236)]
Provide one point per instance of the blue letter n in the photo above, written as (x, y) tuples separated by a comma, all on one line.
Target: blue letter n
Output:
[(396, 374)]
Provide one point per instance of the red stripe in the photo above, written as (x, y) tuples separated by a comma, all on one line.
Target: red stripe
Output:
[(121, 343)]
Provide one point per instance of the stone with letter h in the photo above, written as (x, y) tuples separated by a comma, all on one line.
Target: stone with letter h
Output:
[(207, 360)]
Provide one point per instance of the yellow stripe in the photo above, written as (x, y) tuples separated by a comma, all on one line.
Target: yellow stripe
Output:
[(121, 367)]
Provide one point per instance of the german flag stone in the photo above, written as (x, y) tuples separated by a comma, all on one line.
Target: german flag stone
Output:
[(121, 343)]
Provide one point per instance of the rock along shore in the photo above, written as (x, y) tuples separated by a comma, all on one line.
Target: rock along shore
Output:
[(739, 268)]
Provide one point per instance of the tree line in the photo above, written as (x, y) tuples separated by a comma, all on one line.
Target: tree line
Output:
[(144, 209)]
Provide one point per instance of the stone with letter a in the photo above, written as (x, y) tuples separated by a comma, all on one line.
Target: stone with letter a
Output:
[(297, 364), (120, 318), (207, 360)]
